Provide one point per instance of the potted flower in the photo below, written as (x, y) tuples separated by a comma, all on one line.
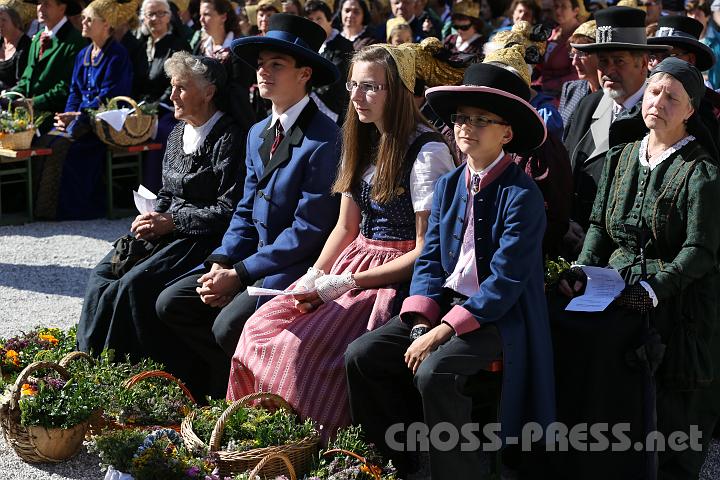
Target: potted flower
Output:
[(44, 418)]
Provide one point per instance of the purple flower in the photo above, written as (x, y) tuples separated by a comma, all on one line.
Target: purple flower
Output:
[(193, 471)]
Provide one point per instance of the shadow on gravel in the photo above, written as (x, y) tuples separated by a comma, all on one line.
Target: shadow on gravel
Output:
[(50, 279)]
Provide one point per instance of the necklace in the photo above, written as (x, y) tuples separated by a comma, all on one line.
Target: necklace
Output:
[(93, 60)]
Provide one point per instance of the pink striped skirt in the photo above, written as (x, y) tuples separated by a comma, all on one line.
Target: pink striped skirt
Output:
[(300, 356)]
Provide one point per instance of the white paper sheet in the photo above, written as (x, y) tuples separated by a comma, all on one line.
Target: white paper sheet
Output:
[(259, 291), (115, 118), (603, 286), (145, 200)]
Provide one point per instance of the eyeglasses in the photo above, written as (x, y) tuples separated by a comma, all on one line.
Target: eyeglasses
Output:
[(462, 27), (578, 55), (151, 15), (474, 120), (365, 87)]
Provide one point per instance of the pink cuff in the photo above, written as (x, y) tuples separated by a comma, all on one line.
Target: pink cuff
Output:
[(418, 304), (461, 320)]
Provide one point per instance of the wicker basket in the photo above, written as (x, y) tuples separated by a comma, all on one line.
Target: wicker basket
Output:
[(19, 140), (137, 128), (372, 470), (134, 380), (34, 444), (280, 458), (301, 453)]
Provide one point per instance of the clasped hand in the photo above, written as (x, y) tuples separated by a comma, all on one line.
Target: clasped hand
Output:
[(63, 120), (218, 286), (152, 225), (424, 345)]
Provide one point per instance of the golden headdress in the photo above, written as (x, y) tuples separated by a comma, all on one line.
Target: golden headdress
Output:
[(631, 4), (181, 5), (467, 8), (269, 3), (532, 38), (583, 14), (433, 71), (405, 62), (114, 12), (26, 10), (588, 29), (513, 57), (392, 24)]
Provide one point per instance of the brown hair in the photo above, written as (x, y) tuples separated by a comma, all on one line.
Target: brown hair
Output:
[(701, 5), (532, 5), (580, 38), (400, 113)]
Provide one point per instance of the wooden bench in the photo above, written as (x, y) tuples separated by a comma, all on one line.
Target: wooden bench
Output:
[(123, 163), (16, 168)]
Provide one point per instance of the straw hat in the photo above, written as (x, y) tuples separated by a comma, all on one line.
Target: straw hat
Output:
[(27, 11), (115, 12)]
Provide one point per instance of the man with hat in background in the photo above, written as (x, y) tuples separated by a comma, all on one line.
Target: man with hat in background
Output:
[(612, 116), (286, 212), (51, 59)]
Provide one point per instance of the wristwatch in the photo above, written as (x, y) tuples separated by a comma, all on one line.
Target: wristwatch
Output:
[(418, 331)]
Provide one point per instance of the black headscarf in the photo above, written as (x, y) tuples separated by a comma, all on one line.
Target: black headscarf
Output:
[(692, 80)]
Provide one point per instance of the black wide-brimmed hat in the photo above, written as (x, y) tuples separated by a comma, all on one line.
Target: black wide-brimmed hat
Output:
[(295, 36), (620, 28), (72, 7), (684, 32), (497, 90)]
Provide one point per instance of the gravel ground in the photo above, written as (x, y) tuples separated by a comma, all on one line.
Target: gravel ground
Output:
[(43, 270)]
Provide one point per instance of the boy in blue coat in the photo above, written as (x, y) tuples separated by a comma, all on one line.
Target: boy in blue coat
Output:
[(284, 216), (477, 292)]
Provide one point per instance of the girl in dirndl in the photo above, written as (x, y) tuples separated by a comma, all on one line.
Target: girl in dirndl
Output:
[(294, 346)]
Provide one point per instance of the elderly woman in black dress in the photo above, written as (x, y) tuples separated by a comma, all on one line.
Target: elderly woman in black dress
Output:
[(202, 165), (15, 44)]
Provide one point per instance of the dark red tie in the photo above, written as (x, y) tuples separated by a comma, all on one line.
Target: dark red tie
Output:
[(279, 135), (45, 42)]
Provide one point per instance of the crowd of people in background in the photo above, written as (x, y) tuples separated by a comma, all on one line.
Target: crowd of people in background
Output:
[(404, 168)]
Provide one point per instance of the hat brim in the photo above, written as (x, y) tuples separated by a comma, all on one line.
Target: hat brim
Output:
[(704, 57), (595, 47), (324, 72), (72, 7), (528, 127)]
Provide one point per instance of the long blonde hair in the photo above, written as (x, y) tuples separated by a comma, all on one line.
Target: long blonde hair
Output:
[(401, 119)]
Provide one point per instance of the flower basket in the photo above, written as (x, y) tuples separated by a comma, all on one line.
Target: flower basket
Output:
[(281, 458), (19, 140), (300, 453), (373, 470), (38, 444), (137, 128), (134, 380)]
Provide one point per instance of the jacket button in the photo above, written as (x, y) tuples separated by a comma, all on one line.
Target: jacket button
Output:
[(261, 243), (452, 254)]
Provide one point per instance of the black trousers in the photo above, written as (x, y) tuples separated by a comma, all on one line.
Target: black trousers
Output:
[(209, 334), (384, 392)]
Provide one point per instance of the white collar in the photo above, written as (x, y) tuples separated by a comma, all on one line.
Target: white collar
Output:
[(333, 33), (462, 46), (352, 39), (194, 136), (487, 169), (643, 154), (209, 45), (57, 27), (631, 100), (289, 116)]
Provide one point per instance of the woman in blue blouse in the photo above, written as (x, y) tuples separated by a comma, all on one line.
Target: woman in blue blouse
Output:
[(102, 70)]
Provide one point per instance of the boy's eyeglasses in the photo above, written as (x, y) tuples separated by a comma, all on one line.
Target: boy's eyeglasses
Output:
[(474, 120), (365, 87)]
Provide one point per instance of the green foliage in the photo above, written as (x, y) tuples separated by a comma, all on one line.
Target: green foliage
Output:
[(343, 467), (117, 447), (251, 427), (553, 269), (53, 403)]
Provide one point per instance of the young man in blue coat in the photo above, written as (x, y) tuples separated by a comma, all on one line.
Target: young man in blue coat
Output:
[(477, 292), (284, 216)]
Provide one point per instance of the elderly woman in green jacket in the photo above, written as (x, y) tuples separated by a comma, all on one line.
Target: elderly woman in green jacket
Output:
[(659, 194)]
